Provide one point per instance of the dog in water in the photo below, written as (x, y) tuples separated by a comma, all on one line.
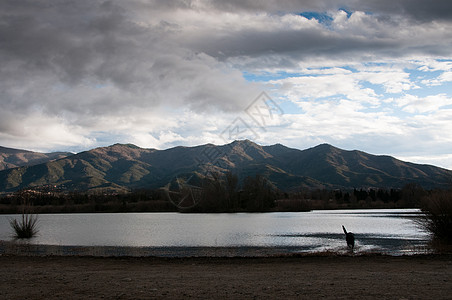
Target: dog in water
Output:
[(350, 238)]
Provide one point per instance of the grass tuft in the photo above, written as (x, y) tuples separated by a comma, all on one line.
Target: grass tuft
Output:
[(25, 228)]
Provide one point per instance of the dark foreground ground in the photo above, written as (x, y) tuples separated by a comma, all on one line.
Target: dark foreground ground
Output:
[(304, 277)]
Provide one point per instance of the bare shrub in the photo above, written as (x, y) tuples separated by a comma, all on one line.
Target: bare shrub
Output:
[(437, 215)]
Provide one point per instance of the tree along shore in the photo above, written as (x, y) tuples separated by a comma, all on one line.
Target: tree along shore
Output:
[(216, 195)]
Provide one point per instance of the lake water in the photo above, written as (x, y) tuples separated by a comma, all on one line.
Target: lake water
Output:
[(388, 231)]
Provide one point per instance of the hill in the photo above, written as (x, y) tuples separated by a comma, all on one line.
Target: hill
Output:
[(123, 167), (12, 158)]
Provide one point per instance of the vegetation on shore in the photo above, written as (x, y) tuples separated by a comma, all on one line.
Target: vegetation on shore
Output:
[(214, 193), (27, 226), (437, 215)]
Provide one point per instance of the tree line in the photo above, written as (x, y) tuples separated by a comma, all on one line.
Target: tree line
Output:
[(213, 193)]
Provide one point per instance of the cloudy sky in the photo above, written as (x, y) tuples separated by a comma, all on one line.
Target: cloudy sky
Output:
[(358, 74)]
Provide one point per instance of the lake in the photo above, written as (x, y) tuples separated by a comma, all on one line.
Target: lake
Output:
[(389, 231)]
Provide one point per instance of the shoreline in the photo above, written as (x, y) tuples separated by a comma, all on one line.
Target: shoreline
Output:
[(306, 277), (24, 248), (70, 210)]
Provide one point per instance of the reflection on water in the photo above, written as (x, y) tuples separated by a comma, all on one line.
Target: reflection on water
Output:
[(387, 231)]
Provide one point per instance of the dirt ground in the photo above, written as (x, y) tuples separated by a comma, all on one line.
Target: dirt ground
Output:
[(304, 277)]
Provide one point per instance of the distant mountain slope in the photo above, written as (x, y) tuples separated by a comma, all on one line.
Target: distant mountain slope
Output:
[(338, 167), (124, 167), (12, 158)]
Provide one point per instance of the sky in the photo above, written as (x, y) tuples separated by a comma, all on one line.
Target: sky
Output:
[(369, 75)]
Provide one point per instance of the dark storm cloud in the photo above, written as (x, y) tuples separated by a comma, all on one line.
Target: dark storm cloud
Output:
[(415, 9), (98, 43), (296, 45), (73, 40), (346, 35), (419, 10)]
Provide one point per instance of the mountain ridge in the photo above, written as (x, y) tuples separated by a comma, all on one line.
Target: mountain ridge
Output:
[(124, 167), (12, 158)]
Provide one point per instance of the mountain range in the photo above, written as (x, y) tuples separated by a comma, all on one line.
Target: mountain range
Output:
[(125, 167), (12, 158)]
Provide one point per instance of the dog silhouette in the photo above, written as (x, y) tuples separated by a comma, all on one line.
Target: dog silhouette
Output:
[(350, 238)]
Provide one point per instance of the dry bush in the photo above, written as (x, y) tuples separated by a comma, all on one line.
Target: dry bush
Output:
[(437, 215)]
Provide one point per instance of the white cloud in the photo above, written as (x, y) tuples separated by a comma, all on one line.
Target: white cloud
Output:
[(394, 79), (414, 104), (341, 82), (445, 77), (444, 160), (430, 65), (39, 132)]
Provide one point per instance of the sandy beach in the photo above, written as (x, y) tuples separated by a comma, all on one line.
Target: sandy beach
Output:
[(303, 277)]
